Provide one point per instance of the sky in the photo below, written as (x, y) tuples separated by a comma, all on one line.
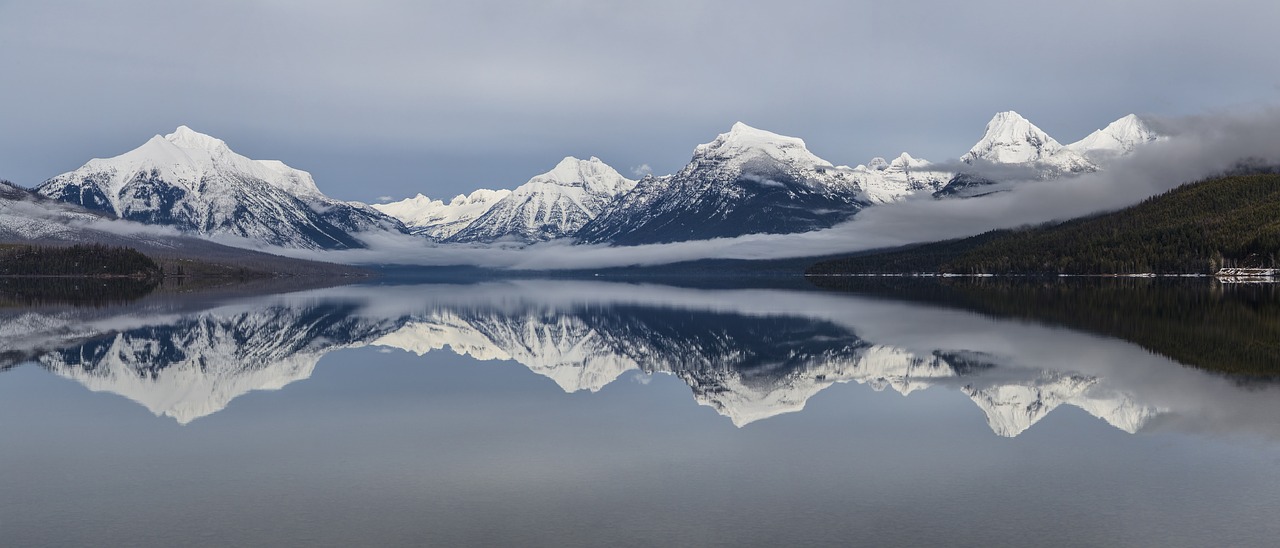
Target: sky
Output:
[(389, 99)]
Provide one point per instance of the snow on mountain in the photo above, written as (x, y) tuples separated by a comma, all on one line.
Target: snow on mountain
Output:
[(1119, 137), (562, 347), (438, 220), (185, 391), (1012, 139), (552, 205), (197, 365), (197, 184), (1012, 408), (27, 216), (745, 400), (745, 181), (883, 181)]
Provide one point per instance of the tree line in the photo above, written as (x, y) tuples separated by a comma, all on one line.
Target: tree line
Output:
[(76, 260)]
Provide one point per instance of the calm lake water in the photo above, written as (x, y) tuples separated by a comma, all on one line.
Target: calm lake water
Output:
[(572, 413)]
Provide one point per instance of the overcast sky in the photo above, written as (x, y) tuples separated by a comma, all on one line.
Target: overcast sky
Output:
[(388, 98)]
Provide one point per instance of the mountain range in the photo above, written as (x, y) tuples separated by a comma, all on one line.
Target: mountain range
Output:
[(753, 181), (745, 181)]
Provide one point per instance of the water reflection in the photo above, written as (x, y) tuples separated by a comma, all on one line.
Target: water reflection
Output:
[(747, 354)]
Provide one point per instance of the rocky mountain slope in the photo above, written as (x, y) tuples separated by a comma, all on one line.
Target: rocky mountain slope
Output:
[(745, 181)]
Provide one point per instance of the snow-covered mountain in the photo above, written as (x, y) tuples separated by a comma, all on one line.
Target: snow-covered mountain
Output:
[(1016, 148), (750, 181), (1012, 139), (1012, 408), (197, 184), (552, 205), (884, 181), (745, 181), (438, 220), (1118, 138), (197, 364)]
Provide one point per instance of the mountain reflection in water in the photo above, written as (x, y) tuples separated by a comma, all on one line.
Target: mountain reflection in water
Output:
[(749, 354)]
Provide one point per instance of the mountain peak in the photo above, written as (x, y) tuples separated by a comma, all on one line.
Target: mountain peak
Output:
[(1010, 138), (1119, 137), (573, 162), (185, 137), (743, 141), (1009, 125), (906, 161), (592, 174), (743, 132), (1008, 117)]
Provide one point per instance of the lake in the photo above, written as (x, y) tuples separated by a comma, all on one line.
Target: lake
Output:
[(587, 413)]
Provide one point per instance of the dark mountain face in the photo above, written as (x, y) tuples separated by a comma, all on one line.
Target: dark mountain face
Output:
[(698, 207), (746, 181)]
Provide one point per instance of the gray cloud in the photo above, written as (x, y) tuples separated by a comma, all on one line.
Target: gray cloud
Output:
[(395, 98)]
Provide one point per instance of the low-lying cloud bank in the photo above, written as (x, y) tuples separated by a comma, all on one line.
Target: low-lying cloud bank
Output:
[(1198, 147)]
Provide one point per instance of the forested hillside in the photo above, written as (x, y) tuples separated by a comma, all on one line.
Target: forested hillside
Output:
[(1196, 228), (76, 260)]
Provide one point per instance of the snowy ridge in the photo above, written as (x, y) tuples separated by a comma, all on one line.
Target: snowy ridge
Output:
[(744, 181), (197, 184), (1013, 408), (748, 150), (552, 205), (195, 367), (184, 158), (561, 348), (438, 220), (883, 181), (184, 391), (744, 401), (1012, 139), (1119, 137)]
